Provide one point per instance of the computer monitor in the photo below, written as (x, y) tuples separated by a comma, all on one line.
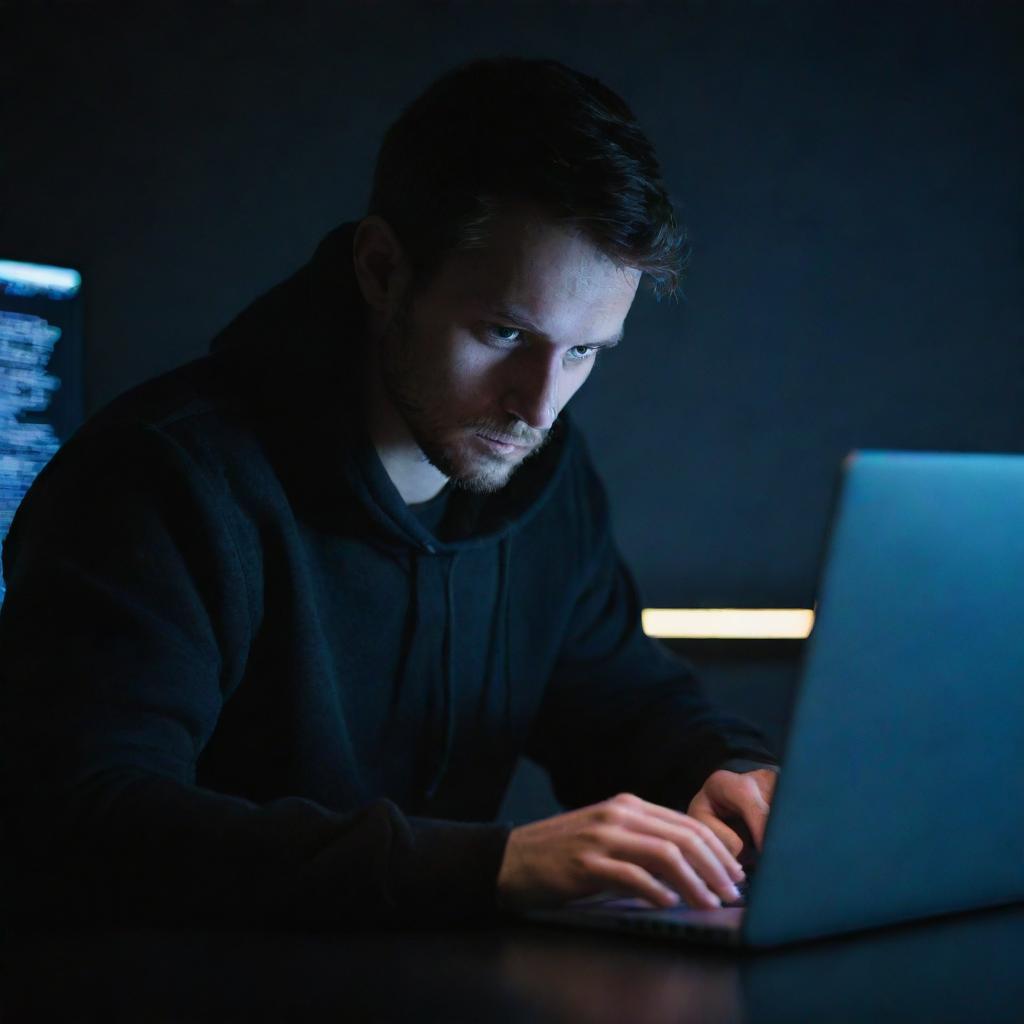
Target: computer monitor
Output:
[(41, 394)]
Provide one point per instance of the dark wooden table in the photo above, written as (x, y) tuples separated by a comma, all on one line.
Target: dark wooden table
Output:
[(964, 968)]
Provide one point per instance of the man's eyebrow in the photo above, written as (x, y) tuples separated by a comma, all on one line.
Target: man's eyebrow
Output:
[(512, 317)]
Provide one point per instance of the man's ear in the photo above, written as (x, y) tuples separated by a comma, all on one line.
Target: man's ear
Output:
[(381, 267)]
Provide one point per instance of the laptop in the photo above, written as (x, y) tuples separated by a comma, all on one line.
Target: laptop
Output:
[(902, 789)]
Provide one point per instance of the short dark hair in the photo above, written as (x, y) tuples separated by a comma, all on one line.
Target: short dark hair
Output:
[(509, 128)]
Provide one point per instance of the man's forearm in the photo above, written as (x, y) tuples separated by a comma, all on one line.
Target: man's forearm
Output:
[(142, 848)]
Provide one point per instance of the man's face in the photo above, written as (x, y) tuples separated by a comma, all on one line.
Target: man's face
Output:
[(481, 362)]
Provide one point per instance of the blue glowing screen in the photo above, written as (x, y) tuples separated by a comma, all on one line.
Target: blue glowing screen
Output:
[(40, 374)]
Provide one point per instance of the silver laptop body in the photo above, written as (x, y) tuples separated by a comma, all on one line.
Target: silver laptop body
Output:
[(902, 791)]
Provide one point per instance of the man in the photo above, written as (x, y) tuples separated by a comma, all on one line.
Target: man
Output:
[(280, 622)]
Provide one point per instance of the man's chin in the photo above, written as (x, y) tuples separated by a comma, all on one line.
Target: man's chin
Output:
[(475, 471), (483, 475)]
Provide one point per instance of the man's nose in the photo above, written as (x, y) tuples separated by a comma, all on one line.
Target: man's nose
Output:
[(533, 398)]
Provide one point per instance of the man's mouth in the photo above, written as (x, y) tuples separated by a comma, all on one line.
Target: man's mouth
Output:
[(502, 444)]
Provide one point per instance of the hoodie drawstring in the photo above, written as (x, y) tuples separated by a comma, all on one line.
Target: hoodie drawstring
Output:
[(448, 686), (408, 631), (500, 656), (502, 616)]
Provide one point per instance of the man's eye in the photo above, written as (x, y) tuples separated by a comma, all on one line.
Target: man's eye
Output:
[(504, 335), (580, 352)]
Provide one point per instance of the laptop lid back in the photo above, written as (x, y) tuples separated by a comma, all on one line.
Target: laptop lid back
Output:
[(902, 791)]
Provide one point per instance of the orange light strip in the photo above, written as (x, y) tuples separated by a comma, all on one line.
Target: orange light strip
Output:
[(728, 623)]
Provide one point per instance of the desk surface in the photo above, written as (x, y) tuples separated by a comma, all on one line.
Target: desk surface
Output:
[(966, 968)]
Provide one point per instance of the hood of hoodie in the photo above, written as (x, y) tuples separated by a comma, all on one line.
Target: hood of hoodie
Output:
[(299, 352)]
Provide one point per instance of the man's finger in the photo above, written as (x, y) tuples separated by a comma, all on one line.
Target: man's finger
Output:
[(664, 860), (689, 848), (631, 879), (683, 834), (732, 841), (741, 796), (753, 808)]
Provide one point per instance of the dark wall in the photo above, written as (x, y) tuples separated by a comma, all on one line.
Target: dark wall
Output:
[(851, 174)]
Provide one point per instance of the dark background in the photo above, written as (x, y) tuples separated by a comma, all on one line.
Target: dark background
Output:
[(851, 175)]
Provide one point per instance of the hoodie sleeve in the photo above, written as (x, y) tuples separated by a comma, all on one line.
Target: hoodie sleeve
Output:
[(125, 625), (622, 713)]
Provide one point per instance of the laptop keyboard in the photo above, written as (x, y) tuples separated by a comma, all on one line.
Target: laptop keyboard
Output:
[(744, 887), (742, 901)]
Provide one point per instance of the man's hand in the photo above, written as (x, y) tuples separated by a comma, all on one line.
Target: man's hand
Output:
[(736, 800), (624, 844)]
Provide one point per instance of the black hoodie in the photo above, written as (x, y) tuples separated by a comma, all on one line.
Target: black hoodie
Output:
[(241, 680)]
